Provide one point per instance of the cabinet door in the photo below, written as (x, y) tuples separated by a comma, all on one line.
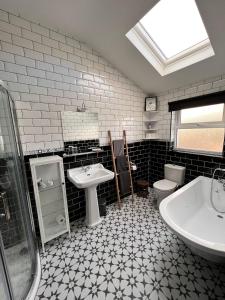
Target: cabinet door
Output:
[(64, 196), (51, 192), (5, 285)]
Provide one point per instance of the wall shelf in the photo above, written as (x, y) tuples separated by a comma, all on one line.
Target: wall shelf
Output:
[(51, 200), (82, 153), (150, 120), (151, 111), (150, 129)]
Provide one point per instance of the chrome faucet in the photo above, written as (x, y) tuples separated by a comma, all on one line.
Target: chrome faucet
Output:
[(220, 179), (86, 168)]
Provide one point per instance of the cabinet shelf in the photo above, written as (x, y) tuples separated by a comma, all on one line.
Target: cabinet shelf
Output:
[(49, 187), (55, 207), (54, 230)]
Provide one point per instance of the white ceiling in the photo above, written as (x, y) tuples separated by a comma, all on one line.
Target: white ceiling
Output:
[(103, 24)]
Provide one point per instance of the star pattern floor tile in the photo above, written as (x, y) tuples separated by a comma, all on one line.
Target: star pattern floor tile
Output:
[(130, 255)]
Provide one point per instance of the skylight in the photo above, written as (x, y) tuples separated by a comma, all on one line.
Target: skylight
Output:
[(174, 25), (172, 31)]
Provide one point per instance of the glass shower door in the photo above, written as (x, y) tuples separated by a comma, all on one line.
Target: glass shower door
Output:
[(4, 289), (18, 246)]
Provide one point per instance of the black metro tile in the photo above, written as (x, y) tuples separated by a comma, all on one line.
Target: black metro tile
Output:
[(149, 156)]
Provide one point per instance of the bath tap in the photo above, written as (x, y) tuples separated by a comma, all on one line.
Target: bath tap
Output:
[(220, 180)]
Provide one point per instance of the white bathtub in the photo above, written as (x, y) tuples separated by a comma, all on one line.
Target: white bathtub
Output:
[(188, 213)]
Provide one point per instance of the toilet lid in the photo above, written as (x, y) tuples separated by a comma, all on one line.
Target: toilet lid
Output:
[(165, 185)]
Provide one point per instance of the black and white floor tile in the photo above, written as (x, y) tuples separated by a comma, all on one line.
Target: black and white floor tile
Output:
[(130, 255)]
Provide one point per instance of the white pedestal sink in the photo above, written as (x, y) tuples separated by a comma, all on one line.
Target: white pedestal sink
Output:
[(88, 178)]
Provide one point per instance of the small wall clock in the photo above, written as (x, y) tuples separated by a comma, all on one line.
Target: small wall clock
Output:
[(150, 103)]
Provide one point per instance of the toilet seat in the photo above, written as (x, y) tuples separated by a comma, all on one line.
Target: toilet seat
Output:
[(165, 185)]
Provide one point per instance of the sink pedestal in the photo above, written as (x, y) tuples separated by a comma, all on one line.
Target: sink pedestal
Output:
[(89, 178), (92, 209)]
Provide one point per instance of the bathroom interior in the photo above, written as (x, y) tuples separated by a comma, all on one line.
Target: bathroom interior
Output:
[(112, 168)]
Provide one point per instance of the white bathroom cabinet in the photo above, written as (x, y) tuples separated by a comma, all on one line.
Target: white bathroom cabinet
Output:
[(50, 196)]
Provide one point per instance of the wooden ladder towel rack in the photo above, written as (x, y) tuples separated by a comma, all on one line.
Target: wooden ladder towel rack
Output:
[(115, 169)]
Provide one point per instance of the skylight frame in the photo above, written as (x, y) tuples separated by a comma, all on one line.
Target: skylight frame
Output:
[(142, 40)]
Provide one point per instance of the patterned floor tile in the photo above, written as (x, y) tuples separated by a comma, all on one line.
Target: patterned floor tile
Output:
[(130, 255)]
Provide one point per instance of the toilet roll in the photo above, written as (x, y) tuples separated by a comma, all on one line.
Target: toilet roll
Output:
[(43, 185), (50, 182), (133, 166), (60, 219)]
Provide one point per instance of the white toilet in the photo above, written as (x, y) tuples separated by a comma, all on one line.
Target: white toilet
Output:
[(173, 177)]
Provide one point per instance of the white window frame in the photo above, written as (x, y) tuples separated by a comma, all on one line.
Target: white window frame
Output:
[(179, 125), (139, 37)]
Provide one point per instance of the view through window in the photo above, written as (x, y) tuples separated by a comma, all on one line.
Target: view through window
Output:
[(200, 129)]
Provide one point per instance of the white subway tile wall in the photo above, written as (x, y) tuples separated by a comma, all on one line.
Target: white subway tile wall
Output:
[(48, 72), (208, 86)]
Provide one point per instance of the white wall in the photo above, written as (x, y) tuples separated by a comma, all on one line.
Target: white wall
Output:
[(49, 72), (211, 85)]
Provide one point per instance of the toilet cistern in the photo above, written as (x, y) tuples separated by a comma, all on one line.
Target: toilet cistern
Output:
[(88, 178)]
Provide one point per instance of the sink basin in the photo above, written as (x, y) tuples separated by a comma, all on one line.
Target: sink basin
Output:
[(88, 178), (93, 175)]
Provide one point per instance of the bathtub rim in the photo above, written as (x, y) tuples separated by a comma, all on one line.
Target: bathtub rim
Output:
[(200, 243)]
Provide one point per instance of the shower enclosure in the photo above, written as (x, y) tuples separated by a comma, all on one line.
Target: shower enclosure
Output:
[(19, 257)]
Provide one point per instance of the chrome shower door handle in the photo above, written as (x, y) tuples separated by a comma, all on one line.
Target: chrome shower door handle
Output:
[(4, 200)]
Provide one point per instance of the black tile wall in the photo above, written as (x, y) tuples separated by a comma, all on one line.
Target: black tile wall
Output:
[(196, 165), (149, 156), (11, 230), (138, 153)]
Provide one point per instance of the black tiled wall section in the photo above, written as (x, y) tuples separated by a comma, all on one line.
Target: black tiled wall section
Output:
[(157, 153), (11, 230), (106, 192), (195, 164), (149, 156)]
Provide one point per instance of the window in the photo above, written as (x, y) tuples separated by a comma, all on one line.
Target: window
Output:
[(172, 36), (200, 129), (162, 26)]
